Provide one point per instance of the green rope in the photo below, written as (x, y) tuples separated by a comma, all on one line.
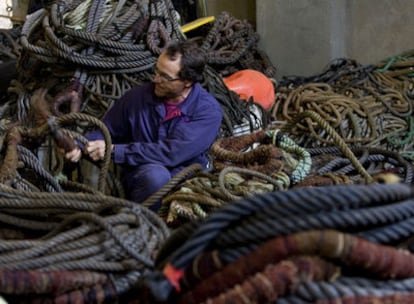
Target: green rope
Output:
[(390, 62), (399, 139), (284, 142)]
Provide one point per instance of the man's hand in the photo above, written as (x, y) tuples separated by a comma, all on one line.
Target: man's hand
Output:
[(96, 149), (74, 155)]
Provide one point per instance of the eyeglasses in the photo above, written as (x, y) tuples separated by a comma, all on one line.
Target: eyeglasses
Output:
[(164, 76)]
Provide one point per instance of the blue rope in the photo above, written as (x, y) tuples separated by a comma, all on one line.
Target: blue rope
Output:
[(319, 206), (310, 292), (344, 196), (346, 221)]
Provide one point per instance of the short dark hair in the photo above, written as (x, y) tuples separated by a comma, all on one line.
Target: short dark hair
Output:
[(193, 59)]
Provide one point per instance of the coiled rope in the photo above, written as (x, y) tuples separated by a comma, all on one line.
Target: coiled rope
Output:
[(365, 105), (78, 231), (209, 234)]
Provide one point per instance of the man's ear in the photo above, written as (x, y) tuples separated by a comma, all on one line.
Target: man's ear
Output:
[(188, 84)]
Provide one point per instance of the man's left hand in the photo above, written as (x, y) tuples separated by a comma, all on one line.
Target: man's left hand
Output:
[(96, 149)]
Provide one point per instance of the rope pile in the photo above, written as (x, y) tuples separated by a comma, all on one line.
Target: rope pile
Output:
[(251, 229), (10, 47), (378, 163), (365, 106), (87, 54), (243, 166), (232, 45), (98, 46), (74, 245), (318, 236), (22, 169), (268, 160)]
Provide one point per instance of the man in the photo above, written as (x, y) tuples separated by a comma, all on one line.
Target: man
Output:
[(159, 128)]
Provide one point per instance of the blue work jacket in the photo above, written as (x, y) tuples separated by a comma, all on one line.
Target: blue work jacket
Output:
[(141, 135)]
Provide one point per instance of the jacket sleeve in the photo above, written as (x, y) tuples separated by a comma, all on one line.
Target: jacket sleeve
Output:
[(115, 120)]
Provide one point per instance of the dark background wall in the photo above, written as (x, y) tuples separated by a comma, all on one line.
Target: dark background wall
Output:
[(302, 36)]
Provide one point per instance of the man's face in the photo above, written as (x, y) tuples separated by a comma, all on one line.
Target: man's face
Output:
[(168, 84)]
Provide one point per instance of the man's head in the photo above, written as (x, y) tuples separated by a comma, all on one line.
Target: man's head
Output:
[(178, 67)]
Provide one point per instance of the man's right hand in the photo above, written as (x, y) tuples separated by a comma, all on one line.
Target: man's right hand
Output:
[(74, 155)]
